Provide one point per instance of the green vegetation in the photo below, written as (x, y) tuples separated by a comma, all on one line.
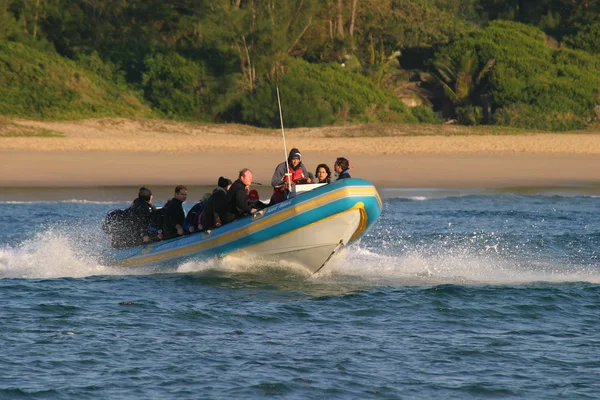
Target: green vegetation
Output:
[(36, 84), (529, 84), (320, 94), (530, 65)]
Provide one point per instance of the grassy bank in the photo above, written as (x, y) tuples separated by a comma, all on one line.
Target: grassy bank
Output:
[(43, 85)]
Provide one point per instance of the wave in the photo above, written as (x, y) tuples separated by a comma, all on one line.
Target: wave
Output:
[(460, 266), (75, 252), (54, 253)]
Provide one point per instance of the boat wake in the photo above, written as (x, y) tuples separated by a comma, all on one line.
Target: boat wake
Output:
[(454, 266), (55, 254)]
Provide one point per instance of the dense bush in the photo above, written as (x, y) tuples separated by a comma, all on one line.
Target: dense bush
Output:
[(586, 38), (469, 115), (173, 84), (425, 115), (319, 94), (300, 106), (531, 84), (44, 85)]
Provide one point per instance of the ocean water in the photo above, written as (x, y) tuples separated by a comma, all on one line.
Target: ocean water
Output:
[(454, 294)]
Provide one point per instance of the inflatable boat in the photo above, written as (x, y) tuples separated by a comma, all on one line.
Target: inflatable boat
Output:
[(306, 229)]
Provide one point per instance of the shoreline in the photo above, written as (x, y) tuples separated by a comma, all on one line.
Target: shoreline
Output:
[(121, 152), (483, 171)]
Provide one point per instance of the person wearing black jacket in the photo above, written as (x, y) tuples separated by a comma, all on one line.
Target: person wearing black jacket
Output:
[(141, 217), (174, 214), (342, 167), (132, 226), (215, 208), (237, 204)]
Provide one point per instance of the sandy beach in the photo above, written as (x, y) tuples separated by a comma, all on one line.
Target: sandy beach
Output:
[(123, 152)]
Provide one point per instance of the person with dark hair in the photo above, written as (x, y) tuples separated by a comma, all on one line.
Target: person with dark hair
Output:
[(133, 226), (342, 167), (174, 216), (215, 210), (141, 213), (237, 204), (322, 174), (287, 174)]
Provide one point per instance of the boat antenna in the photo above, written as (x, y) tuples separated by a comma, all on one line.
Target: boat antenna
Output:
[(287, 166)]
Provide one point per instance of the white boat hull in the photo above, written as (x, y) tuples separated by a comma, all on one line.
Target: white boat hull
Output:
[(312, 245)]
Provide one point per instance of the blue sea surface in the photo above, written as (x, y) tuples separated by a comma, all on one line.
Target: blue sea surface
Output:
[(454, 294)]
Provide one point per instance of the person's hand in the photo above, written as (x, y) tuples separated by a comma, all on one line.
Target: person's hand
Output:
[(191, 229), (253, 210), (179, 230), (218, 223), (151, 197), (308, 180), (146, 238)]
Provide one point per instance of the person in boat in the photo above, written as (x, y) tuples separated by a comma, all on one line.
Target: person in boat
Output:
[(291, 173), (132, 226), (342, 167), (192, 221), (215, 209), (174, 216), (323, 174), (236, 201), (254, 200), (141, 214)]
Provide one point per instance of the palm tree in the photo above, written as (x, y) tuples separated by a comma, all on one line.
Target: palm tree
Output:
[(463, 84)]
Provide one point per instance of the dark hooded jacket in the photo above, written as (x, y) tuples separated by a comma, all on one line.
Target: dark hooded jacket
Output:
[(279, 175), (139, 220)]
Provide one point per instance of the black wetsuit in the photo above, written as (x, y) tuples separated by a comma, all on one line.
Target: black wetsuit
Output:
[(216, 205), (237, 204), (139, 217), (174, 215)]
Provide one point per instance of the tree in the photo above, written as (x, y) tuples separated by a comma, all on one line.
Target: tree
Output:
[(463, 83), (261, 33)]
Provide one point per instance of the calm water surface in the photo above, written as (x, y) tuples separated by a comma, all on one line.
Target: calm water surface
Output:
[(453, 295)]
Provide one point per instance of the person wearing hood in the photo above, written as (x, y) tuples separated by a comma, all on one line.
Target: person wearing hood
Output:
[(215, 206), (295, 170), (131, 227), (254, 200)]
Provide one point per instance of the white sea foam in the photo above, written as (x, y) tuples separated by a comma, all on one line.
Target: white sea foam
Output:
[(452, 266), (241, 264), (54, 254), (75, 252)]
